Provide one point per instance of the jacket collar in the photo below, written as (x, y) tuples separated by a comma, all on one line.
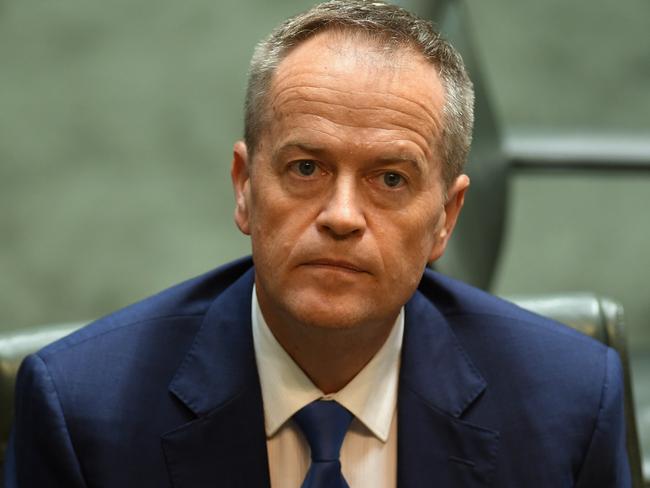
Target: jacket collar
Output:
[(438, 383), (434, 364), (225, 444)]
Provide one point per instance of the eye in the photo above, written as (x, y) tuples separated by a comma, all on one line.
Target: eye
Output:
[(305, 167), (393, 180)]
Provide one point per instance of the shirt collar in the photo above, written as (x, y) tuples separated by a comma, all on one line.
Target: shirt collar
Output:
[(371, 395)]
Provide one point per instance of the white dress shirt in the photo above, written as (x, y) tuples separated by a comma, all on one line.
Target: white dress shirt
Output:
[(369, 451)]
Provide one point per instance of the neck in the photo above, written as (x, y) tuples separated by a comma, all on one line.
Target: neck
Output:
[(330, 357)]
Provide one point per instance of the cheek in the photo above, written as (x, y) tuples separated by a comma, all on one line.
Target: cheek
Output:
[(278, 225), (267, 203), (413, 236), (420, 228)]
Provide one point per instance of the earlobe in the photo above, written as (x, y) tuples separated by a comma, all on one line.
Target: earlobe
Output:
[(453, 206), (240, 176)]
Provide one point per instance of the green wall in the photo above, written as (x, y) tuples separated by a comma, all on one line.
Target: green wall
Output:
[(117, 121), (581, 231)]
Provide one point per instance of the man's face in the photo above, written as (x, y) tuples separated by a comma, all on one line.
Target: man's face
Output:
[(344, 199)]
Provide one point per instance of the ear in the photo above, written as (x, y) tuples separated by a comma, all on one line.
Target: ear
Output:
[(239, 173), (453, 205)]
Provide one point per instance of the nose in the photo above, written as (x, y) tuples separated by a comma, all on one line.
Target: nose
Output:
[(342, 213)]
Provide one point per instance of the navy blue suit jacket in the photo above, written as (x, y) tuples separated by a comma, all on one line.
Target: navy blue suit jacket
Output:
[(165, 393)]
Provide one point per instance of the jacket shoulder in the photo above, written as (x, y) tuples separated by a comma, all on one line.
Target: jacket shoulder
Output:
[(516, 348), (552, 392), (183, 302), (461, 303)]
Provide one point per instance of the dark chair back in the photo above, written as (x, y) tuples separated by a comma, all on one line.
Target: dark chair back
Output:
[(473, 251)]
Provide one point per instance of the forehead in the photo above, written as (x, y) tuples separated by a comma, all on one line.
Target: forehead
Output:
[(354, 57), (350, 78)]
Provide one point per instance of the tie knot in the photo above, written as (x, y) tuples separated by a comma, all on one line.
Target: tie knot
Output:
[(324, 424)]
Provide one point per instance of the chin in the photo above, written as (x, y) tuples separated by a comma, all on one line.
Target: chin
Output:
[(339, 313)]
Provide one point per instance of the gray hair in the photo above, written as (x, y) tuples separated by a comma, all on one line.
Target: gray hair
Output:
[(392, 27)]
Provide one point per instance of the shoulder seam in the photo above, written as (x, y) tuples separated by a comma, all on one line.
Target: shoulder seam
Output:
[(122, 326), (51, 381)]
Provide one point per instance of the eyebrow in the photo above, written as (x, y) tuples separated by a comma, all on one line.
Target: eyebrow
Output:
[(309, 148), (319, 151), (415, 163)]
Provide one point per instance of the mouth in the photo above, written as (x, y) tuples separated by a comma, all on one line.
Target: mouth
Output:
[(336, 264)]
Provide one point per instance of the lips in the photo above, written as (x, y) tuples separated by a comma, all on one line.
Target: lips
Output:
[(336, 264)]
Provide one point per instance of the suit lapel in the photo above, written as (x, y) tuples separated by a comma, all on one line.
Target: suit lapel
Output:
[(438, 383), (225, 444)]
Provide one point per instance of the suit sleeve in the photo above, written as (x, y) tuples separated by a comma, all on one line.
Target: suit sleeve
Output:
[(606, 463), (40, 451)]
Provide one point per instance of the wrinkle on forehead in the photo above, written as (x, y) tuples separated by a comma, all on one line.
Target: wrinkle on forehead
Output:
[(358, 109), (357, 83)]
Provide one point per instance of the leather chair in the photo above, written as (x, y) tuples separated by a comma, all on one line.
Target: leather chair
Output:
[(597, 317)]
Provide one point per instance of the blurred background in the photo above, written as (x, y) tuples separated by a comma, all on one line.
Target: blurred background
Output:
[(117, 121)]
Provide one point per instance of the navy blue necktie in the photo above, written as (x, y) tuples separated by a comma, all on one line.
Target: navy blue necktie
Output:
[(324, 424)]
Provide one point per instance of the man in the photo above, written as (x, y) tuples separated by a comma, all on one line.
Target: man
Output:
[(358, 122)]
